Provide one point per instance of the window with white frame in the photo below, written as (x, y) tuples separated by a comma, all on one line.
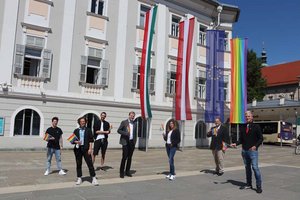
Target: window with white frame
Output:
[(226, 42), (97, 7), (94, 69), (143, 10), (32, 59), (136, 77), (175, 26), (171, 80), (226, 89), (202, 34), (200, 89), (27, 122)]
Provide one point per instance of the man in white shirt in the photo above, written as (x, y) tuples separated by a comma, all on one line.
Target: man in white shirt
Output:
[(128, 132)]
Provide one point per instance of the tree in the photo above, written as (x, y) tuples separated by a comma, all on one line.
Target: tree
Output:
[(255, 82)]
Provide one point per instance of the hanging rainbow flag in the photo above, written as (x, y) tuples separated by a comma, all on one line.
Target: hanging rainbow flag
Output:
[(185, 42), (238, 105), (72, 138), (146, 63)]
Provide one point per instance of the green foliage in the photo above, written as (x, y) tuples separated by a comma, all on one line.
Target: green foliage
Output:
[(255, 82)]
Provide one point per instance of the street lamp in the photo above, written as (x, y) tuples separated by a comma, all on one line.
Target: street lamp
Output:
[(296, 120)]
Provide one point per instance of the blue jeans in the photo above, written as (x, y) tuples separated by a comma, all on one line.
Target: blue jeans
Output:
[(171, 153), (50, 153), (251, 160)]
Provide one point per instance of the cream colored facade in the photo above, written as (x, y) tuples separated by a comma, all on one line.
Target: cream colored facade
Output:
[(69, 58)]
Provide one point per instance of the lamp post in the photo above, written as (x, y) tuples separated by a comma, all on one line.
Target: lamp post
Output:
[(296, 123)]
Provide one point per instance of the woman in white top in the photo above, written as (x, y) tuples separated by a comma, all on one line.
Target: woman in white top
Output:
[(172, 138)]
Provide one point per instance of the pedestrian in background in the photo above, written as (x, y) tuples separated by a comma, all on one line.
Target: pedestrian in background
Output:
[(172, 138)]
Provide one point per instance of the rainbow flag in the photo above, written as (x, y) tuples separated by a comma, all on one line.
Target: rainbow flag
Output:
[(146, 63), (238, 105), (47, 137), (72, 138)]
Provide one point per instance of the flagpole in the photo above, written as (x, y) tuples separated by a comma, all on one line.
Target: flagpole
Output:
[(183, 134), (147, 132)]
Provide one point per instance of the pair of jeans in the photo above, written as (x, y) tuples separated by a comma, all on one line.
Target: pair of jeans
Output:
[(50, 152), (171, 153), (251, 160)]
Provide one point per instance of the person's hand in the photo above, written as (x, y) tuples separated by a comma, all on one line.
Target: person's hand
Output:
[(162, 127), (90, 151), (253, 148), (77, 142), (233, 145)]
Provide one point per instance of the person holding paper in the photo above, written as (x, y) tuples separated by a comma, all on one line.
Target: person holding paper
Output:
[(83, 148), (55, 143), (219, 142)]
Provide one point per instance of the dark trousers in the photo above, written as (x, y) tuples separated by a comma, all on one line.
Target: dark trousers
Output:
[(127, 155), (79, 153)]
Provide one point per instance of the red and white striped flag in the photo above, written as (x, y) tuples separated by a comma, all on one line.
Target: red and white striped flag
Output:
[(146, 63), (182, 101)]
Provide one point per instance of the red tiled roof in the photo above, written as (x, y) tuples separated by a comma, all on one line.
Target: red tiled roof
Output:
[(282, 74)]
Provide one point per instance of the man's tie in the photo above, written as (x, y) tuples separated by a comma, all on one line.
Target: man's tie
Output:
[(247, 129)]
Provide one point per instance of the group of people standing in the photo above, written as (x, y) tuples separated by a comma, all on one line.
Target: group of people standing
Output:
[(250, 137)]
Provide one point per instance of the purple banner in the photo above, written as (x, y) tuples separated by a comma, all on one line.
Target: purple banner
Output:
[(215, 47)]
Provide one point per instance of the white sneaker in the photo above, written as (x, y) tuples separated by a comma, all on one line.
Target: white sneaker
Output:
[(62, 172), (47, 172), (95, 182), (79, 181), (168, 177), (172, 178)]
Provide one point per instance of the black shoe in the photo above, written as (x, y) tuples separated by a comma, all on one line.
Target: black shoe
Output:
[(258, 190), (220, 173), (128, 174), (121, 175), (245, 187)]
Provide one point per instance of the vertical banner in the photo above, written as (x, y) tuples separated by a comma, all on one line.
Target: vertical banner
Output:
[(214, 103), (146, 63), (182, 101), (238, 105)]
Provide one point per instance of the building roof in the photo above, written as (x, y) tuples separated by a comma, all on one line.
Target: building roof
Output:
[(273, 104), (282, 74)]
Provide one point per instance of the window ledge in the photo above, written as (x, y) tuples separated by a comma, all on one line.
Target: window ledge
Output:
[(96, 15), (201, 45), (199, 99), (89, 85), (169, 95), (47, 2), (138, 91), (174, 37), (33, 78)]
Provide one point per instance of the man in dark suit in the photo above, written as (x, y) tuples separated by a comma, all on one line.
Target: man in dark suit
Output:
[(250, 139), (101, 131), (220, 140), (128, 132)]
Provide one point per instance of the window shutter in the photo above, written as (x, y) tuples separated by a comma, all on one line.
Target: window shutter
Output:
[(135, 76), (197, 87), (168, 82), (104, 72), (19, 59), (84, 60), (152, 80), (46, 68)]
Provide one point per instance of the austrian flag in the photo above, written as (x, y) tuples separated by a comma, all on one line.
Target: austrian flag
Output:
[(182, 101)]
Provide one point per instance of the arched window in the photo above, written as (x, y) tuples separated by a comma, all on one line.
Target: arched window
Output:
[(141, 127), (27, 122), (91, 119)]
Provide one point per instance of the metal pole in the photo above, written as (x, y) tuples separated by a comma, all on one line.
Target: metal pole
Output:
[(237, 132), (182, 130), (148, 121)]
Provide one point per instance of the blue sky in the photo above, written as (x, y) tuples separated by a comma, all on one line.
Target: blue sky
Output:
[(274, 22)]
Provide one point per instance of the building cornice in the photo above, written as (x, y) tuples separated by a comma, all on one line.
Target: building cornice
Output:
[(36, 27)]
